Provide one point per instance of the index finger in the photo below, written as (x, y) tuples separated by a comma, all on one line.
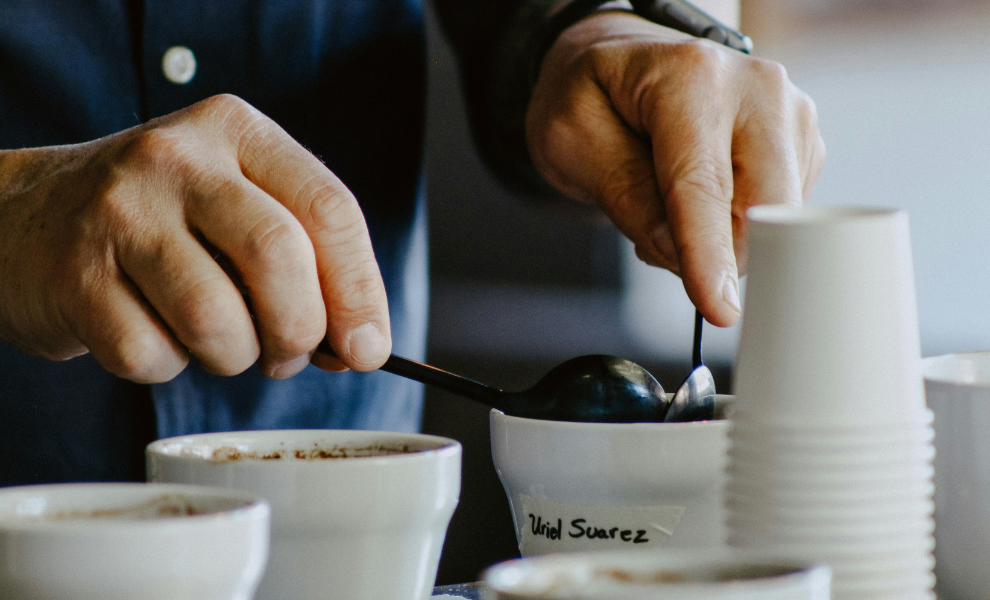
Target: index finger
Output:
[(358, 324), (693, 165)]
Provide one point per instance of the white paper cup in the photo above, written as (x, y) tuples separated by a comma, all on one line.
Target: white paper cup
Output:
[(841, 530), (830, 332), (822, 514), (802, 433), (886, 457), (661, 575), (128, 541), (590, 486), (829, 366), (879, 549), (827, 490), (356, 515), (958, 388), (917, 474)]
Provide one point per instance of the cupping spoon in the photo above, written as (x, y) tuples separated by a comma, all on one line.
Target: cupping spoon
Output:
[(593, 389), (695, 399)]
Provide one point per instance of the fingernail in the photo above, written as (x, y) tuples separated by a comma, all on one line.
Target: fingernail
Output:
[(730, 292), (367, 344)]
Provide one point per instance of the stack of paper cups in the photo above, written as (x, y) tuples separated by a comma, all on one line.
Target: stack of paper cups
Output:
[(831, 442)]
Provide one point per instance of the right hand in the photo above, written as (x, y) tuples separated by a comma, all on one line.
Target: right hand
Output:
[(111, 247)]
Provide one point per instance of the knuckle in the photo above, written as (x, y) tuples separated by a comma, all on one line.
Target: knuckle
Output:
[(225, 103), (167, 154), (225, 107), (235, 119), (630, 180), (206, 314), (277, 244), (157, 147), (361, 291), (598, 58), (702, 59), (331, 206), (115, 209), (704, 181), (807, 115), (551, 146), (771, 75), (136, 356)]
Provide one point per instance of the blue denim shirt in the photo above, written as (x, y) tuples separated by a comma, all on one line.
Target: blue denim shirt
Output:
[(344, 77)]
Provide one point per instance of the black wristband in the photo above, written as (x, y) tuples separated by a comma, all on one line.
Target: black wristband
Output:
[(676, 14)]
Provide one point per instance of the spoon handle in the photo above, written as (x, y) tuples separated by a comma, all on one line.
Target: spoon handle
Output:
[(446, 380), (699, 323), (462, 386)]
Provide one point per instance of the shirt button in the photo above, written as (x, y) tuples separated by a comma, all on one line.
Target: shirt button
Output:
[(179, 65)]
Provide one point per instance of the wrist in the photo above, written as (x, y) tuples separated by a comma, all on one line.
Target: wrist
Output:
[(679, 15)]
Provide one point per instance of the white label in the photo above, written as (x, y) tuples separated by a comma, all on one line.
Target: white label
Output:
[(549, 526)]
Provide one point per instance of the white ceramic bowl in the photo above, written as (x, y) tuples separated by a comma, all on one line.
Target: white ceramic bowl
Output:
[(591, 486), (130, 541), (356, 515), (660, 575)]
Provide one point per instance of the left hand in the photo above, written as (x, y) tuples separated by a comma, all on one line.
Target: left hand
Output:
[(674, 138)]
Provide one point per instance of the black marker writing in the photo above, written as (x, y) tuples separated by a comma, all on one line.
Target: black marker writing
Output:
[(539, 527), (579, 529)]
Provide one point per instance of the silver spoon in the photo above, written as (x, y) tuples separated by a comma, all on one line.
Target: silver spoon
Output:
[(592, 389), (695, 399)]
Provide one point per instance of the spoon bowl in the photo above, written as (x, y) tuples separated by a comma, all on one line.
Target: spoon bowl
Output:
[(695, 399), (593, 389)]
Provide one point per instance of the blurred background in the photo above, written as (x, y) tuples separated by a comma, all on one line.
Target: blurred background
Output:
[(903, 95)]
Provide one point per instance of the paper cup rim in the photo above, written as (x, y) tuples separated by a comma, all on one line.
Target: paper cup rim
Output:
[(816, 215)]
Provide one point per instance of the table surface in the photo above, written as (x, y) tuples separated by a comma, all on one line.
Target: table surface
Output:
[(471, 591)]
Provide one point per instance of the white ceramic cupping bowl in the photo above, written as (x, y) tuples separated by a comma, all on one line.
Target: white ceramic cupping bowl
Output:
[(958, 390), (632, 485), (831, 451), (368, 526), (131, 542), (659, 575)]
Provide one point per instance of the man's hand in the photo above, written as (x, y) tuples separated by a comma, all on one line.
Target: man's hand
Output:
[(674, 138), (207, 232)]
